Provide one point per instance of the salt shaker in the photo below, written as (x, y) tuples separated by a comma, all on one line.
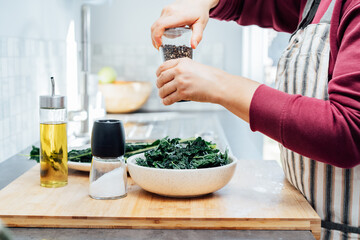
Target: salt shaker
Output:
[(108, 175), (53, 140), (176, 43)]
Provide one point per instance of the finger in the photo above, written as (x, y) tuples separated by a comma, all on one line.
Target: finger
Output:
[(155, 29), (155, 26), (166, 22), (165, 77), (167, 89), (156, 34), (171, 98), (153, 42), (167, 65), (197, 34)]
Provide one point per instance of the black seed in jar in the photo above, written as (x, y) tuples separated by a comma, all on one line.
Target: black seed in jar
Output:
[(173, 51)]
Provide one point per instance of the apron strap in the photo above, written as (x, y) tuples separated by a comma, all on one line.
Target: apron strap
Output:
[(307, 8), (309, 13), (339, 227)]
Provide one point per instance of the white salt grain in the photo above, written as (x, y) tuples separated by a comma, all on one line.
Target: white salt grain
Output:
[(109, 185)]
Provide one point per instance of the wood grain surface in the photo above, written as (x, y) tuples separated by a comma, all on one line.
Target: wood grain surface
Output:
[(258, 197)]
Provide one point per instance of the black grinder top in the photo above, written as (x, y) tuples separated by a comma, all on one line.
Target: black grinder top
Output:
[(108, 138)]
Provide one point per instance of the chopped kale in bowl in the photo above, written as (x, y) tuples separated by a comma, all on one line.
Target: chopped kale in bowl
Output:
[(179, 154)]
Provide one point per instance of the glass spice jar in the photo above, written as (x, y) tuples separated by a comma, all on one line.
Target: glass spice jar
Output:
[(176, 43)]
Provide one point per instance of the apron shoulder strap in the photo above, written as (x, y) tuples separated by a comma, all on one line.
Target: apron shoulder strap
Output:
[(310, 10)]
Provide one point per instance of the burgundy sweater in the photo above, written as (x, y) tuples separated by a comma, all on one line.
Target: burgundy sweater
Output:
[(326, 131)]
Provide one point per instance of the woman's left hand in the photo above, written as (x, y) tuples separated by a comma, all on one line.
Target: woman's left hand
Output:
[(185, 79)]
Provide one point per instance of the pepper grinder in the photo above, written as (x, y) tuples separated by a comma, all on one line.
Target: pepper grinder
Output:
[(108, 174), (53, 140)]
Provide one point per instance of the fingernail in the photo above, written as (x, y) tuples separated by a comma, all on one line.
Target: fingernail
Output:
[(195, 44)]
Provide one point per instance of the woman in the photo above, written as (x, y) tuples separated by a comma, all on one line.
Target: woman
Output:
[(314, 114)]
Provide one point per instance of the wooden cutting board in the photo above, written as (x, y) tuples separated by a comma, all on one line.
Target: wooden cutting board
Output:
[(258, 197)]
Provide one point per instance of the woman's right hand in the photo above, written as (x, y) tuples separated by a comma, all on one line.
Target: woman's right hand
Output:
[(195, 14)]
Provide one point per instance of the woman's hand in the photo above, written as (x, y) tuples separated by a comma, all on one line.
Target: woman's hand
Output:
[(181, 13), (184, 79)]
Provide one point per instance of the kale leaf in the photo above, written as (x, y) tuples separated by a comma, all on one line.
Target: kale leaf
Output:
[(136, 148), (74, 155), (133, 146), (83, 155), (35, 154)]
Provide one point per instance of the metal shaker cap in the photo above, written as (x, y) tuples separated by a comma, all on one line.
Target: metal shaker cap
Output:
[(176, 32), (52, 101)]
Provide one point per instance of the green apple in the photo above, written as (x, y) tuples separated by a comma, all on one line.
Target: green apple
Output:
[(107, 75)]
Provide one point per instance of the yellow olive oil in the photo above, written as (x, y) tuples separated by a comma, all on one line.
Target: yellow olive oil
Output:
[(53, 155)]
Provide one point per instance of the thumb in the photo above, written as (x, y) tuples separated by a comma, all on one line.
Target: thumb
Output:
[(197, 33)]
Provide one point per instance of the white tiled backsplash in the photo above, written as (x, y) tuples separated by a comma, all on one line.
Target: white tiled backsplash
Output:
[(134, 62), (25, 68)]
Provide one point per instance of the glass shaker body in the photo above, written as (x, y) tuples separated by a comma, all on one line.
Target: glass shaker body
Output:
[(108, 178), (53, 147), (176, 43), (108, 174)]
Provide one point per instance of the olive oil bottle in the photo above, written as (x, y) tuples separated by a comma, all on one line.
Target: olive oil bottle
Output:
[(53, 140)]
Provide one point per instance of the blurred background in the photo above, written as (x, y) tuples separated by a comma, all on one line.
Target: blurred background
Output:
[(42, 38)]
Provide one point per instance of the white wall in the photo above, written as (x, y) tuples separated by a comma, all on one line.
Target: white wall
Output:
[(32, 48), (39, 19)]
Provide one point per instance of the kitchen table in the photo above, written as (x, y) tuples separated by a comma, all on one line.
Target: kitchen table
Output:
[(17, 165)]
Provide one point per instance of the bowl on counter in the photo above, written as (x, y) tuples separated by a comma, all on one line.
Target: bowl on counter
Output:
[(125, 96), (181, 183)]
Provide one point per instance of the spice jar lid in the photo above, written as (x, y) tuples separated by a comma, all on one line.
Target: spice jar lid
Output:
[(52, 101), (108, 138), (176, 32)]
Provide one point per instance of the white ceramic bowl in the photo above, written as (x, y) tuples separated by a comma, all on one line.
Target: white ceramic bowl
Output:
[(180, 182), (124, 97)]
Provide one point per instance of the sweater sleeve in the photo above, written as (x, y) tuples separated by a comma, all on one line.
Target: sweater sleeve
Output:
[(326, 131), (281, 15)]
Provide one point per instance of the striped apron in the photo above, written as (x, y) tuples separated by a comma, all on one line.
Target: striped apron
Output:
[(303, 69)]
